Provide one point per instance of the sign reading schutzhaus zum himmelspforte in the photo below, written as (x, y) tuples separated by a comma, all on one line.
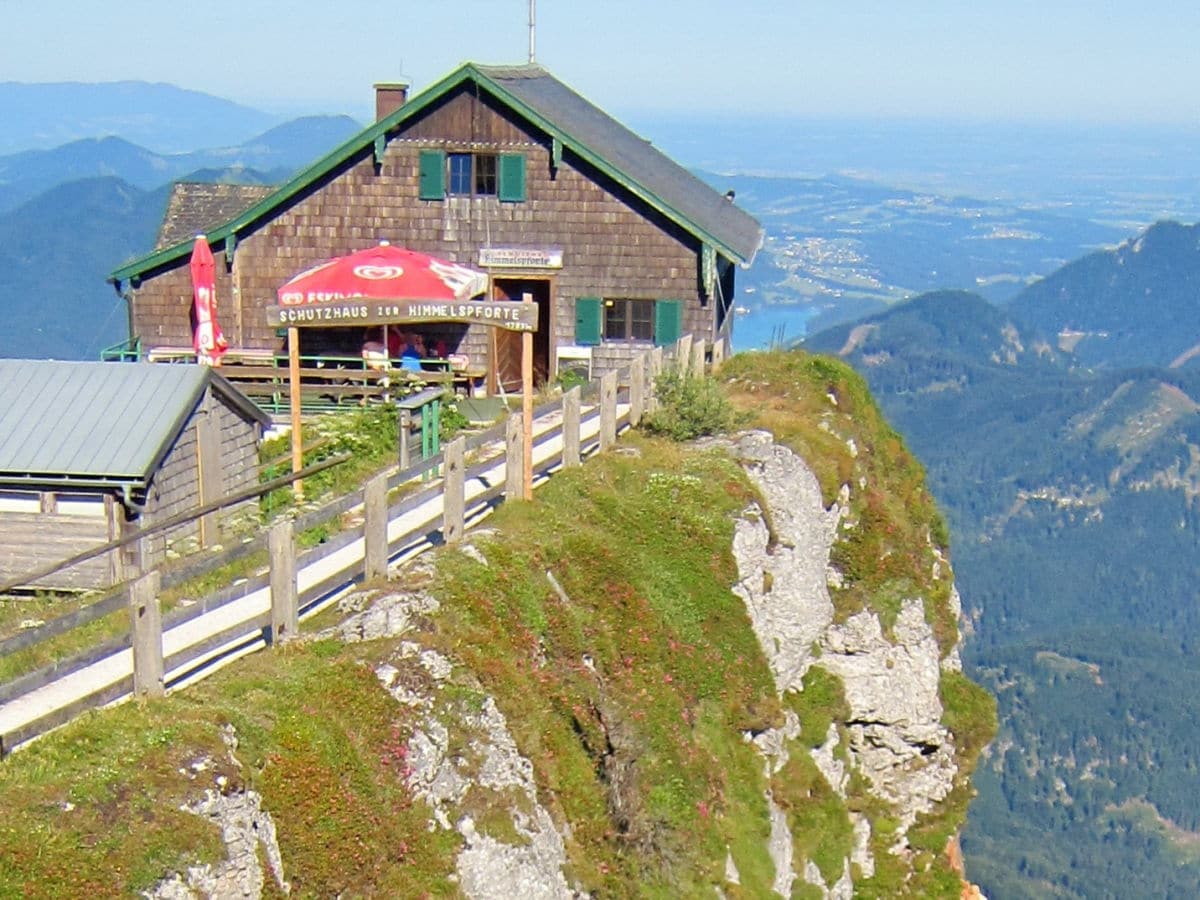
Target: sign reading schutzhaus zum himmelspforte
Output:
[(509, 315)]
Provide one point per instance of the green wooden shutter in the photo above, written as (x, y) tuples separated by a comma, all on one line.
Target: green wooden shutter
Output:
[(433, 175), (512, 177), (668, 321), (587, 320)]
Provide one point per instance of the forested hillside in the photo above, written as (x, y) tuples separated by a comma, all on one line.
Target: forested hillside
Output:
[(1132, 305), (1071, 496)]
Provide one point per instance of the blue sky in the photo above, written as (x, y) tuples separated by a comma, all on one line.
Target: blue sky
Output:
[(1063, 60)]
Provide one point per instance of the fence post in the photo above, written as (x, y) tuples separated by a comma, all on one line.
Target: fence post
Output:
[(608, 410), (208, 465), (375, 523), (405, 428), (698, 358), (285, 619), (718, 353), (513, 458), (146, 620), (656, 367), (637, 389), (570, 427), (683, 354), (454, 486)]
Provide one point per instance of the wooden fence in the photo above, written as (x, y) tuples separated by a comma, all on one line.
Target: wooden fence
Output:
[(154, 672)]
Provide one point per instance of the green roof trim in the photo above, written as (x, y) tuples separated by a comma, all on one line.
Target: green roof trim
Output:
[(368, 142)]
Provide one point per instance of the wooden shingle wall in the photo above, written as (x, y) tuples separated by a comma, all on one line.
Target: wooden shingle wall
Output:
[(175, 489), (613, 245)]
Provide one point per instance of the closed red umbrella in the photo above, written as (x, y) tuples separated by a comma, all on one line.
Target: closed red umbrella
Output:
[(383, 273), (207, 340)]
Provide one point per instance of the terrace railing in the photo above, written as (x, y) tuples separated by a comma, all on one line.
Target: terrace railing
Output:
[(172, 649)]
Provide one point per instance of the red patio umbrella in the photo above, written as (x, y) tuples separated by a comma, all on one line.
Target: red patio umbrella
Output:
[(383, 272), (207, 340)]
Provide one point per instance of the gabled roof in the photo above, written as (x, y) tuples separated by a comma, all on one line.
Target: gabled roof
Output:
[(94, 424), (195, 207), (579, 126)]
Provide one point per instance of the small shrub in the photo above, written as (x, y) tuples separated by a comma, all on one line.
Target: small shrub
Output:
[(690, 407)]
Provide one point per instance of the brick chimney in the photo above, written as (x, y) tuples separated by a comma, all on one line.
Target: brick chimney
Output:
[(389, 97)]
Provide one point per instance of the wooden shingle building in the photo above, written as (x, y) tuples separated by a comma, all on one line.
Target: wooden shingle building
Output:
[(91, 451), (504, 169)]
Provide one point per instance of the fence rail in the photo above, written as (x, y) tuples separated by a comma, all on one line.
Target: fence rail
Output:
[(618, 401)]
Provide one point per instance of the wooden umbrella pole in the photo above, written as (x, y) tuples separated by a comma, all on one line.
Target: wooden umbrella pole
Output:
[(294, 403), (527, 412)]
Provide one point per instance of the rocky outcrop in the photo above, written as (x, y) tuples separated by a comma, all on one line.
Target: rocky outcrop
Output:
[(894, 735), (248, 833), (891, 683)]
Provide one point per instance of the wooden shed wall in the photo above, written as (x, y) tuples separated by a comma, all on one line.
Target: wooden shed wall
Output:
[(613, 244), (33, 540)]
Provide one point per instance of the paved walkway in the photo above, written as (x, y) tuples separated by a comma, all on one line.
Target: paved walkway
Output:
[(21, 711)]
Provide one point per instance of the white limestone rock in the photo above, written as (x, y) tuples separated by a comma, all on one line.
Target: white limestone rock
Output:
[(784, 582), (896, 736), (245, 827)]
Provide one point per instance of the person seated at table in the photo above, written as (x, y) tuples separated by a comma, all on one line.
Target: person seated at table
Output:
[(413, 352)]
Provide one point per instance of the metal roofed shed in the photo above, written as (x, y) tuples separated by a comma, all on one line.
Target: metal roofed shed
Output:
[(90, 450)]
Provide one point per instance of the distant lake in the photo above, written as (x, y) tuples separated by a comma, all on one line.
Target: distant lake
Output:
[(755, 329)]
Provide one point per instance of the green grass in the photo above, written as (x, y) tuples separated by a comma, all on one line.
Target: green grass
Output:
[(820, 704)]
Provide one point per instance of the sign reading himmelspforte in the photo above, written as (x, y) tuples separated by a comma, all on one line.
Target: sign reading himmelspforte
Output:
[(521, 257), (506, 314)]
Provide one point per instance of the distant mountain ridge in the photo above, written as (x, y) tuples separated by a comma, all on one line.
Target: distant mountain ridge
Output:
[(69, 215), (277, 153), (163, 117), (1136, 304)]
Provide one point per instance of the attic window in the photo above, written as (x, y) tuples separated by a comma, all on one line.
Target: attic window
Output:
[(500, 175), (472, 174)]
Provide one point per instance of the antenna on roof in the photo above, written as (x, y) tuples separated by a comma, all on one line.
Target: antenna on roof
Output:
[(532, 30)]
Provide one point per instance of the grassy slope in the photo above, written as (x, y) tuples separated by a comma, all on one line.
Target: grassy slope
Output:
[(641, 752)]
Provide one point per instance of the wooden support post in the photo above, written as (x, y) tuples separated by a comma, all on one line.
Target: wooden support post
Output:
[(637, 389), (454, 497), (514, 458), (285, 617), (133, 556), (656, 367), (208, 465), (113, 513), (146, 625), (49, 503), (683, 354), (608, 410), (293, 339), (697, 361), (375, 524), (570, 427), (527, 413)]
